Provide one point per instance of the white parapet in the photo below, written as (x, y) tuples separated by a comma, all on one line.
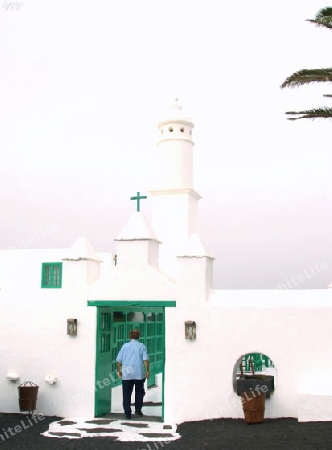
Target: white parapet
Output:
[(314, 408)]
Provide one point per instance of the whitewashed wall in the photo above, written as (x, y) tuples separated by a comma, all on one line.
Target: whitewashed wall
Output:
[(291, 327), (34, 341)]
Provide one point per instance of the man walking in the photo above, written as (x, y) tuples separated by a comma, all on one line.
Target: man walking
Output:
[(133, 367)]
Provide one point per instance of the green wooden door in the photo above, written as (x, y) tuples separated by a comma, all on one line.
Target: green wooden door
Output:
[(103, 383), (154, 341)]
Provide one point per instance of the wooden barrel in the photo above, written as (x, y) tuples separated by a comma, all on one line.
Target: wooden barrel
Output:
[(28, 392)]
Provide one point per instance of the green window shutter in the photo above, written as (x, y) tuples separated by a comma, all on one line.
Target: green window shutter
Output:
[(51, 275)]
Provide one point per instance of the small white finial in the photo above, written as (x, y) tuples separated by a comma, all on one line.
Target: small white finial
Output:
[(176, 104)]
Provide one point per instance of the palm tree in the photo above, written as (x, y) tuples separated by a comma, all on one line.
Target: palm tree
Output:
[(307, 76)]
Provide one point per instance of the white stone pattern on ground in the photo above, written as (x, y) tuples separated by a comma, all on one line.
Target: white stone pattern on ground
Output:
[(124, 430)]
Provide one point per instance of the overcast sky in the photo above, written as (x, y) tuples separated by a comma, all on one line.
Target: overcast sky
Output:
[(83, 85)]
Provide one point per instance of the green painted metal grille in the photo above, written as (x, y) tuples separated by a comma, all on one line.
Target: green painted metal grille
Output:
[(150, 325), (105, 332), (258, 359), (113, 329)]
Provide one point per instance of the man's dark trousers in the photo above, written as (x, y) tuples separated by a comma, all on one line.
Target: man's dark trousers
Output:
[(127, 389)]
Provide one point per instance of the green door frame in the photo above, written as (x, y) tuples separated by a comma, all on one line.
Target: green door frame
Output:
[(126, 304)]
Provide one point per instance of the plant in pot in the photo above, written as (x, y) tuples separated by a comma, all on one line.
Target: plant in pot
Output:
[(254, 389)]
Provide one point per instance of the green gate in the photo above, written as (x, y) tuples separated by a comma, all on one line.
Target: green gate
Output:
[(113, 327)]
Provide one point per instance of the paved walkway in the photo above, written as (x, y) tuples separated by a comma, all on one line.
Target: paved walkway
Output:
[(115, 427)]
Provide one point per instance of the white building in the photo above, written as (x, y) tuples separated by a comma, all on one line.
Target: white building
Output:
[(160, 279)]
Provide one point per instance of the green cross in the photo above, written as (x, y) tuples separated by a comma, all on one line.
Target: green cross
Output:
[(138, 198)]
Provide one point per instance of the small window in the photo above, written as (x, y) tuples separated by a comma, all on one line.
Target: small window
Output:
[(51, 275)]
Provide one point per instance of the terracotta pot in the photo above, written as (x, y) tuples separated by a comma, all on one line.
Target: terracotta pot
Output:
[(253, 404)]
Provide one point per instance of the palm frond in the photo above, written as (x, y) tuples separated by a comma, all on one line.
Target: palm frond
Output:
[(316, 113), (307, 76), (323, 18)]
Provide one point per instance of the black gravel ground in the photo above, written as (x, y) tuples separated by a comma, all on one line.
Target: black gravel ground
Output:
[(18, 431)]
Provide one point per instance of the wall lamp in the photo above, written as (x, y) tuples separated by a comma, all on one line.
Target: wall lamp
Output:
[(190, 329), (72, 327)]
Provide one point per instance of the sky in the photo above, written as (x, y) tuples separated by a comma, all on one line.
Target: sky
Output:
[(83, 85)]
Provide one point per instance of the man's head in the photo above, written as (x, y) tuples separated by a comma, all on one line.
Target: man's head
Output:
[(134, 334)]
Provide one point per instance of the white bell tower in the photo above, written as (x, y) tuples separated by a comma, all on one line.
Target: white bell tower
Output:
[(174, 201)]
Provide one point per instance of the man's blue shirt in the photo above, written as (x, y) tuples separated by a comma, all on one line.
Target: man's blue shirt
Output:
[(131, 356)]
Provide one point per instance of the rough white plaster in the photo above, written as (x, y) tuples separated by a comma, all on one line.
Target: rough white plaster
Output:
[(137, 227), (81, 249), (314, 408), (192, 247), (144, 284)]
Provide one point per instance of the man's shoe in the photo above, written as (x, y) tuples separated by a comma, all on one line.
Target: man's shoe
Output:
[(139, 413), (128, 416)]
